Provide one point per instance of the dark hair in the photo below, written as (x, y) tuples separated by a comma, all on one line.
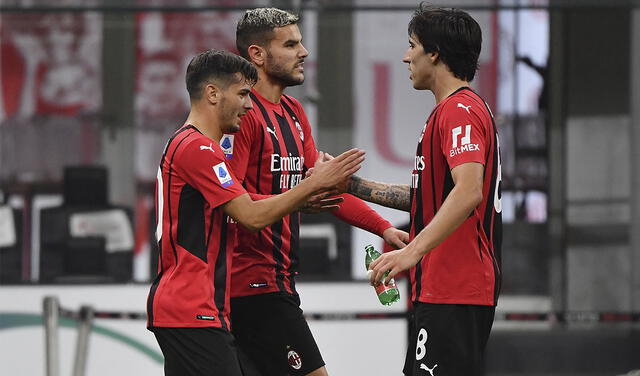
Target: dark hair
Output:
[(453, 33), (220, 67), (256, 27)]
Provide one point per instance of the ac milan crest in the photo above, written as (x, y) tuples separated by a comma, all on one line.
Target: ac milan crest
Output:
[(295, 361)]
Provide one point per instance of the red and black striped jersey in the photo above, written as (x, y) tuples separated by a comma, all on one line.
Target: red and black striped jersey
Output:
[(270, 155), (465, 267), (195, 237)]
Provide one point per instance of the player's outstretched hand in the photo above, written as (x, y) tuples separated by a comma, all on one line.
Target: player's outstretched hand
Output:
[(322, 202), (395, 238), (394, 262), (329, 174), (341, 187)]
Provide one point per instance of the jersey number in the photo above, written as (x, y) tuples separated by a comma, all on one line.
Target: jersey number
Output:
[(421, 348), (160, 206), (497, 194)]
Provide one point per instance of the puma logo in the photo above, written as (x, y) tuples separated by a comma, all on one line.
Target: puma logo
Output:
[(424, 366), (273, 132), (460, 105), (210, 147)]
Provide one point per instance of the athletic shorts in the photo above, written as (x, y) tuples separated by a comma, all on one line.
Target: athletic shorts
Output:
[(271, 330), (448, 339), (198, 352)]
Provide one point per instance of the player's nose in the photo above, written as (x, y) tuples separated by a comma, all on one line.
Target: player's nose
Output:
[(406, 58), (248, 104), (303, 52)]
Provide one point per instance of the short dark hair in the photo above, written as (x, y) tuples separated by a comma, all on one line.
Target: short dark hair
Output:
[(453, 33), (217, 66), (256, 27)]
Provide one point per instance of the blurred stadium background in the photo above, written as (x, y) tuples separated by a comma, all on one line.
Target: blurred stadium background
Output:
[(90, 91)]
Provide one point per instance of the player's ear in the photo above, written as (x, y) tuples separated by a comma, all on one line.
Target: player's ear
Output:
[(257, 54), (212, 93), (434, 56)]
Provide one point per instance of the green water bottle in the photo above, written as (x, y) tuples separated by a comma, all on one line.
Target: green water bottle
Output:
[(387, 294)]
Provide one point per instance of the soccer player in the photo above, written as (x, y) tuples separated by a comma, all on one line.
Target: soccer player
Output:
[(270, 155), (198, 202), (454, 201)]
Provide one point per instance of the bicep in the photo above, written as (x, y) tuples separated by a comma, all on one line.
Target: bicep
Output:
[(470, 174), (238, 207)]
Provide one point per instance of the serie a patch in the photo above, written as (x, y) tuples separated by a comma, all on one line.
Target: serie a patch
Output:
[(226, 144), (224, 177)]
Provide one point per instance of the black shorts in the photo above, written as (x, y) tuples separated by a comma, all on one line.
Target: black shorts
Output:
[(198, 352), (271, 330), (448, 339)]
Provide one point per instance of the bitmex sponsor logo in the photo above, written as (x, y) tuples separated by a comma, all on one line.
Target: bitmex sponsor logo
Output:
[(205, 317), (463, 148), (461, 144), (256, 285)]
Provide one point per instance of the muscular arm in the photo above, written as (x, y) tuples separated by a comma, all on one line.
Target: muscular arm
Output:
[(255, 215), (394, 196), (461, 201), (463, 198)]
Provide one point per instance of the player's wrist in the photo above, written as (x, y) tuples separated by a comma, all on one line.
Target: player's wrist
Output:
[(413, 251), (384, 227)]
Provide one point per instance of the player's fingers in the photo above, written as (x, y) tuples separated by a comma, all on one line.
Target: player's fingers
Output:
[(375, 263), (344, 155), (329, 207), (379, 270), (352, 166), (328, 157), (308, 173), (391, 275), (374, 277), (349, 155), (331, 201), (396, 241), (370, 277)]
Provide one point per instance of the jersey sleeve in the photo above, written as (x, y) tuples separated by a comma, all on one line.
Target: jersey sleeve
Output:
[(357, 213), (463, 133), (205, 169), (243, 144)]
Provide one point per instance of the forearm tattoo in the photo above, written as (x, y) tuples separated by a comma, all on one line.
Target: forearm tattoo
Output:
[(394, 196)]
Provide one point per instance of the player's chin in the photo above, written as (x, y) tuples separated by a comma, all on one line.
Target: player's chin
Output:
[(233, 128), (419, 86), (297, 78)]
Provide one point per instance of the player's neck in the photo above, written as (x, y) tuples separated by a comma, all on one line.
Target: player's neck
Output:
[(207, 125), (268, 89), (446, 84)]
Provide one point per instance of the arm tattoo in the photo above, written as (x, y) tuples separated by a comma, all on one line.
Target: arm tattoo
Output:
[(394, 196)]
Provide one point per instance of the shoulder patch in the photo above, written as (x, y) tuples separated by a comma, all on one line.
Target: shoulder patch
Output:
[(224, 177)]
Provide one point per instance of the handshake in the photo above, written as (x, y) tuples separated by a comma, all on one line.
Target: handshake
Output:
[(331, 176)]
